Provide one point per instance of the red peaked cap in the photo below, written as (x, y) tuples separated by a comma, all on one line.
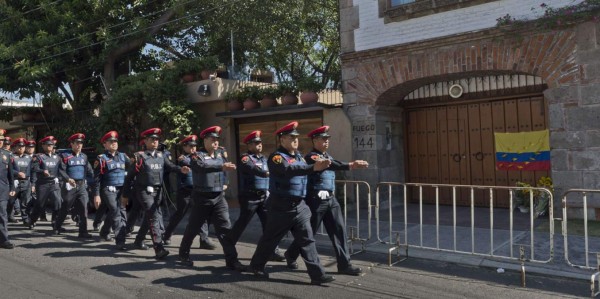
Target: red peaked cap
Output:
[(48, 140), (319, 132), (190, 140), (7, 139), (254, 136), (214, 131), (19, 142), (30, 143), (289, 129), (76, 137), (153, 132), (110, 136)]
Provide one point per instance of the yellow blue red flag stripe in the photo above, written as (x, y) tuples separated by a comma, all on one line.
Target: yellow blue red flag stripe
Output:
[(523, 151)]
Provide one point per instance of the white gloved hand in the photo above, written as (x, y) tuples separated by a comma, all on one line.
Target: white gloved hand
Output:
[(56, 180), (323, 194), (16, 184), (69, 187), (267, 193)]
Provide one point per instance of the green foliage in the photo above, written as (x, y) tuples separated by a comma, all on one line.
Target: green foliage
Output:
[(310, 84), (233, 95), (47, 45), (288, 87), (269, 91), (556, 18), (152, 97), (196, 65), (250, 92), (75, 123)]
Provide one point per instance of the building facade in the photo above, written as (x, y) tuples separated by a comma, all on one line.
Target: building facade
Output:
[(428, 82)]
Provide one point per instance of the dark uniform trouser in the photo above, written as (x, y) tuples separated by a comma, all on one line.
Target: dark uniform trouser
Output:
[(3, 215), (150, 202), (22, 197), (248, 207), (134, 213), (183, 205), (77, 197), (284, 215), (116, 215), (211, 207), (100, 212), (46, 190), (329, 213)]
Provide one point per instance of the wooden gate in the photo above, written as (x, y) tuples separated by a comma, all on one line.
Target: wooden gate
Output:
[(454, 144)]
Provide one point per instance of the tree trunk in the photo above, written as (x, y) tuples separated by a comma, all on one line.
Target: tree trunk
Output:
[(129, 46)]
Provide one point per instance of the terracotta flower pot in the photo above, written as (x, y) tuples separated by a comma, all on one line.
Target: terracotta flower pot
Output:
[(268, 101), (205, 74), (234, 105), (250, 104), (188, 78), (289, 99), (309, 97)]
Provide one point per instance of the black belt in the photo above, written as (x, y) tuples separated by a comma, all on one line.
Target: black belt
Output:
[(256, 192)]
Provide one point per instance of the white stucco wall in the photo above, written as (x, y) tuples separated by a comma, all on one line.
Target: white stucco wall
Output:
[(373, 33)]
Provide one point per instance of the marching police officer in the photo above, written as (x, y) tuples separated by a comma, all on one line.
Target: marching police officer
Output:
[(208, 166), (287, 209), (24, 178), (7, 190), (109, 175), (46, 167), (135, 208), (323, 204), (254, 189), (7, 143), (185, 185), (30, 150), (146, 173), (74, 170)]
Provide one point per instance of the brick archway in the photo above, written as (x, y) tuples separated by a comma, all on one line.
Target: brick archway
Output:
[(385, 80)]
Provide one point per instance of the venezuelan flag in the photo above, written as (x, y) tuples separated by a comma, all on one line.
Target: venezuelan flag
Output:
[(523, 151)]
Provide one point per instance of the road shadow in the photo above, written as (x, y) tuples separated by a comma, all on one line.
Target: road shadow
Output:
[(216, 275), (509, 279)]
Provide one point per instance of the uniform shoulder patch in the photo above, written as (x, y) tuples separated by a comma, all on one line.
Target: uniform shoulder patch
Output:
[(245, 159), (277, 159), (96, 163), (315, 157)]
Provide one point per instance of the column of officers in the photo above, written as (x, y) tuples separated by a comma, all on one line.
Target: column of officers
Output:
[(288, 191)]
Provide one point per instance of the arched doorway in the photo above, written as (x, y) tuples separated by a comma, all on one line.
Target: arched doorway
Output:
[(450, 136)]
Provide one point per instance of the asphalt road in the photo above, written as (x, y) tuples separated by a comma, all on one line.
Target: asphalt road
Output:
[(45, 266)]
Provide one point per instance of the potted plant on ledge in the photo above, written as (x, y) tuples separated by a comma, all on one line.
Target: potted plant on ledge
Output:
[(251, 96), (289, 93), (208, 65), (308, 90), (234, 100), (269, 96)]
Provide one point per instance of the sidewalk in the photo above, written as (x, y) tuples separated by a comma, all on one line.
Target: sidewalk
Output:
[(482, 242)]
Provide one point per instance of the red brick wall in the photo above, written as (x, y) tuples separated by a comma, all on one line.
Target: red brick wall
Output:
[(385, 76)]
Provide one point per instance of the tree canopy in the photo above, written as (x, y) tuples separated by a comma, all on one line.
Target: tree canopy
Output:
[(83, 50)]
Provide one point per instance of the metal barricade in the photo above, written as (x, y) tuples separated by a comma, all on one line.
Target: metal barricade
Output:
[(586, 250), (354, 231), (398, 243)]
